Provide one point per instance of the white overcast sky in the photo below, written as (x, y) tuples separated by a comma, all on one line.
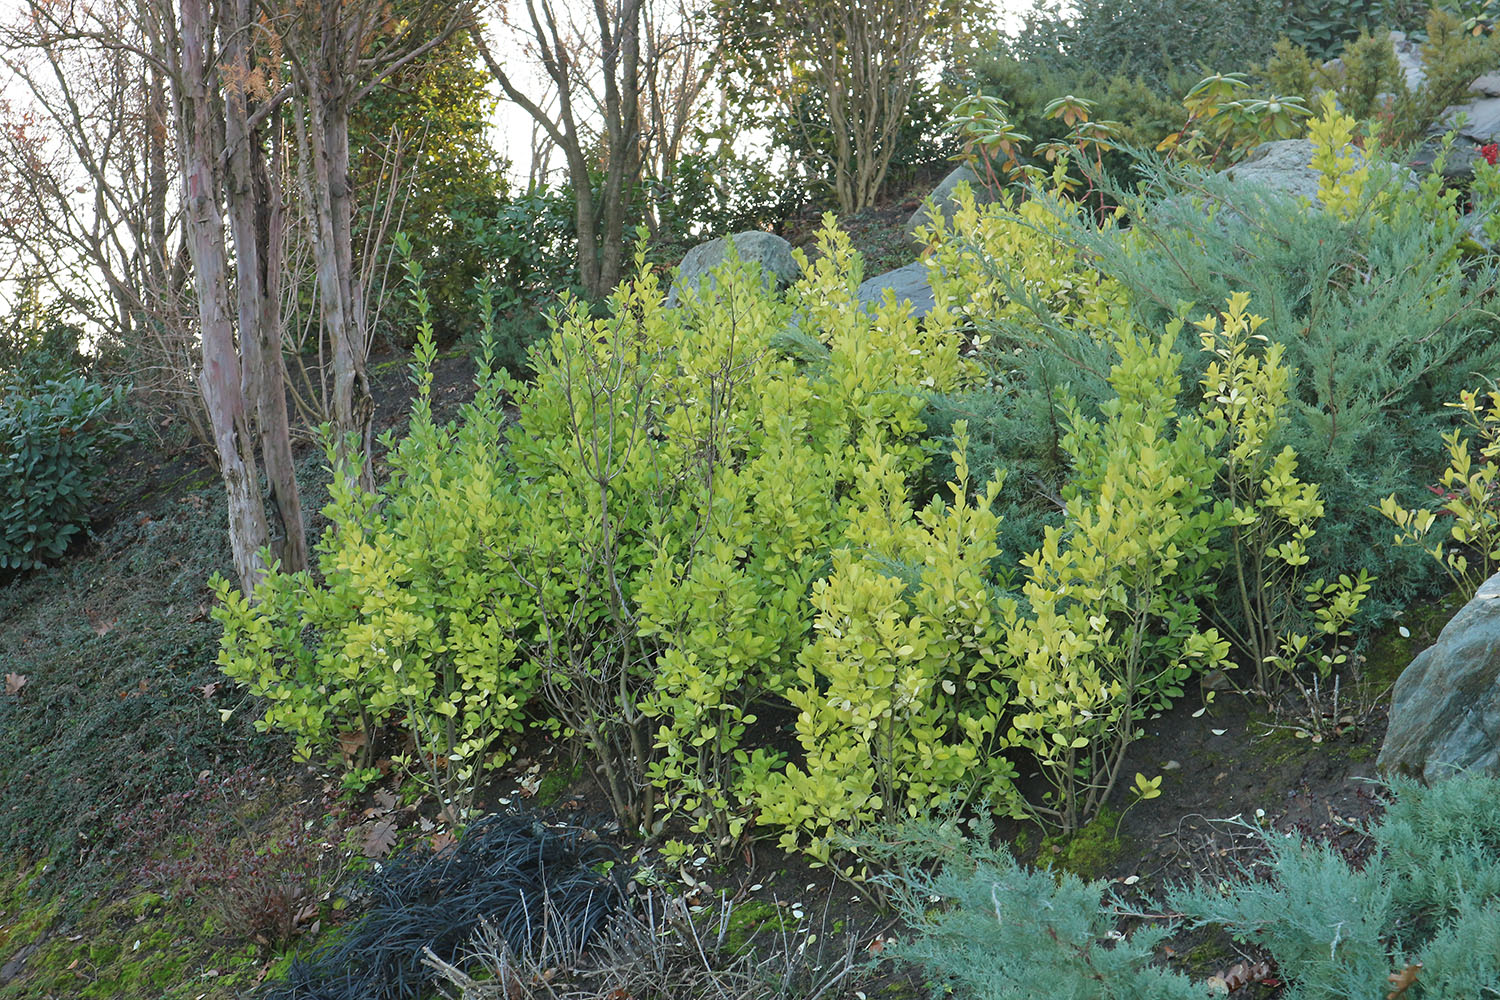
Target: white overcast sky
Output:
[(513, 126)]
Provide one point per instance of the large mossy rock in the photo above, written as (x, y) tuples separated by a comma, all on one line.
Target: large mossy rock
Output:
[(771, 252), (1445, 712), (944, 201)]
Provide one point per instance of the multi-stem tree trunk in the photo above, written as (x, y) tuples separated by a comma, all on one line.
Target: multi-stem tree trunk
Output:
[(338, 51), (616, 32), (201, 135), (324, 131), (256, 218)]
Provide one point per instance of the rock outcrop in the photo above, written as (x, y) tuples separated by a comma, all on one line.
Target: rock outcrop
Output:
[(1445, 712), (1286, 166), (907, 283), (943, 200), (771, 252)]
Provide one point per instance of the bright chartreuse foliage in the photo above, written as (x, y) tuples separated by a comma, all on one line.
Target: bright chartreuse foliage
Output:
[(1470, 496), (899, 691), (707, 515), (411, 617)]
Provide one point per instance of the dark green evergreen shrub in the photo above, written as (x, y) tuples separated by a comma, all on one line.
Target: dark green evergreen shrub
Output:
[(1324, 27), (529, 249), (53, 438), (1428, 893), (1152, 39)]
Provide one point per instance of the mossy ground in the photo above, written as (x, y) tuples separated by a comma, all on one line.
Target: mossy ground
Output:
[(751, 919), (1091, 852), (138, 945), (1391, 653)]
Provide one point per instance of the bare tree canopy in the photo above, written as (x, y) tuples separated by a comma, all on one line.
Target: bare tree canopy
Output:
[(198, 259)]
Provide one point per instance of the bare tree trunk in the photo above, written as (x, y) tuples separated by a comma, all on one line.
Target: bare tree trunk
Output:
[(219, 380), (255, 215), (336, 56), (622, 49), (340, 296), (601, 252)]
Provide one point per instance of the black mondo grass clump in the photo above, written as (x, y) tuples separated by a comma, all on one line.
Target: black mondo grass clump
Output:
[(522, 877)]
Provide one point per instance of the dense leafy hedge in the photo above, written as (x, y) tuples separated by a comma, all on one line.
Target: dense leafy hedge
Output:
[(54, 436), (713, 515)]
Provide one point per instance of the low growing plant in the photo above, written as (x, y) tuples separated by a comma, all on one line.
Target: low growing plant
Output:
[(1469, 492), (258, 881), (54, 438), (1422, 914)]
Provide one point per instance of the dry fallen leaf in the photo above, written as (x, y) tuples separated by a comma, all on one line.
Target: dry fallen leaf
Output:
[(351, 742), (380, 839), (209, 689), (442, 841), (1402, 981), (1239, 975), (385, 800), (14, 683)]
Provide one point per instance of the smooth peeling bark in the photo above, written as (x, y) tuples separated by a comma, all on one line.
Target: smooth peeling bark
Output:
[(326, 99), (219, 380), (256, 226)]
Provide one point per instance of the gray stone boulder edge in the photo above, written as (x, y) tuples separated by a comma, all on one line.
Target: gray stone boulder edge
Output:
[(943, 199), (1285, 166), (1481, 119), (1486, 85), (771, 252), (1445, 711), (909, 284)]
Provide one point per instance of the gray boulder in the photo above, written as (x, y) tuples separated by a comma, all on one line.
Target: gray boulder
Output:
[(942, 198), (1481, 119), (1445, 713), (1286, 166), (1409, 58), (1487, 85), (771, 252), (1477, 122), (908, 283)]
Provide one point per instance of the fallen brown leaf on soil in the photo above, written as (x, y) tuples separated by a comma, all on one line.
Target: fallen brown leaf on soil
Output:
[(1239, 975), (351, 742), (14, 683), (380, 839)]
